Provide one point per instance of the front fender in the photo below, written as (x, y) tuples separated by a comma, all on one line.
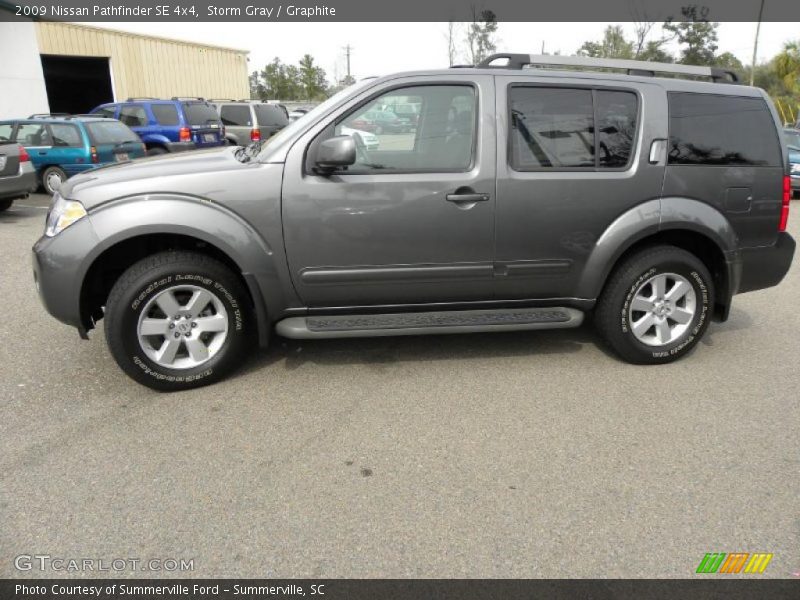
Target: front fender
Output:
[(651, 218), (136, 216)]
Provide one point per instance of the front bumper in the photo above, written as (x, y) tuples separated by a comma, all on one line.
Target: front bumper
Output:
[(59, 267), (766, 266), (19, 185)]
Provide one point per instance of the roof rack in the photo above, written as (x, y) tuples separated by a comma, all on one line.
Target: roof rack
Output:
[(632, 67), (89, 116), (188, 98), (139, 98), (224, 100), (48, 115)]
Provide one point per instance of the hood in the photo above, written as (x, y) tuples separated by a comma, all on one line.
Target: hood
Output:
[(197, 172)]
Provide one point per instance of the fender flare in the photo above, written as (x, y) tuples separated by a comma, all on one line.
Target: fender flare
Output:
[(114, 222), (155, 138), (650, 218)]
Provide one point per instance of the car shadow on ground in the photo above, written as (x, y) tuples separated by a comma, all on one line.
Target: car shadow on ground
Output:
[(391, 350)]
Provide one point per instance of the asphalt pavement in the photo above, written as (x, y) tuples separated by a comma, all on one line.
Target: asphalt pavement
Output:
[(532, 454)]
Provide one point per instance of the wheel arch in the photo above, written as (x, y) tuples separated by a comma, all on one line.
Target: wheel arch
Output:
[(682, 222), (159, 224)]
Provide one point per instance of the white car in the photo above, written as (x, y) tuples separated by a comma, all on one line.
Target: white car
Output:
[(370, 139), (296, 114)]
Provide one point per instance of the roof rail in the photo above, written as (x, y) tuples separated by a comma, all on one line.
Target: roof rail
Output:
[(188, 98), (224, 100), (632, 67), (139, 98), (48, 115), (89, 116)]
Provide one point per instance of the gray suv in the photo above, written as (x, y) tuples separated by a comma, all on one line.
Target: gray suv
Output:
[(250, 121), (523, 198)]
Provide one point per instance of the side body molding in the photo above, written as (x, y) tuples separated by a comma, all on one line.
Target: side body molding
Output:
[(649, 218)]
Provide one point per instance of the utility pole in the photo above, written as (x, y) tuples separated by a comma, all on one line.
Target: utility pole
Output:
[(347, 49), (755, 45)]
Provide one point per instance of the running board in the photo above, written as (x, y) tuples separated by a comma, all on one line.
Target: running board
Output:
[(425, 323)]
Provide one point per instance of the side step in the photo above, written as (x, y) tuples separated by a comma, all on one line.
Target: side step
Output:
[(425, 323)]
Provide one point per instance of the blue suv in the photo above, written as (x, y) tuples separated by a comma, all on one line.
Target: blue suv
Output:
[(169, 125), (61, 146)]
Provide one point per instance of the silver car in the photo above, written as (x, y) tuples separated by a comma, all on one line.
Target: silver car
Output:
[(17, 175)]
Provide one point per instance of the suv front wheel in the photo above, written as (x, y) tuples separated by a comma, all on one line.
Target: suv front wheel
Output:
[(656, 306), (178, 320)]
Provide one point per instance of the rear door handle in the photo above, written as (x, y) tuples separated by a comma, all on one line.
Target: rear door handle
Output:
[(463, 198)]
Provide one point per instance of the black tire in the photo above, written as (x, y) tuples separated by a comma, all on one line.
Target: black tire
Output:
[(5, 204), (613, 313), (156, 151), (49, 175), (150, 277)]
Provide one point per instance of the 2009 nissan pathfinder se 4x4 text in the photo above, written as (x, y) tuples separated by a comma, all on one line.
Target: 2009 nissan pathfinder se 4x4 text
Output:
[(523, 197)]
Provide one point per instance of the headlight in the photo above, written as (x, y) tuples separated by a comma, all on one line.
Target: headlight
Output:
[(63, 213)]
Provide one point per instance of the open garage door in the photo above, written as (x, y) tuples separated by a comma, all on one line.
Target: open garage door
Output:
[(76, 84)]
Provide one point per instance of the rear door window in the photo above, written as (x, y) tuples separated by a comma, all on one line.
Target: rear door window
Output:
[(133, 116), (66, 136), (106, 111), (272, 116), (712, 129), (200, 113), (165, 114), (236, 115)]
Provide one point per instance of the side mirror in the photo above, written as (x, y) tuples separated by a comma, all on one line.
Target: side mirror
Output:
[(339, 151)]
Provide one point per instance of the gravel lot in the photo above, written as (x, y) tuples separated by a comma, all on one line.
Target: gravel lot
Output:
[(508, 455)]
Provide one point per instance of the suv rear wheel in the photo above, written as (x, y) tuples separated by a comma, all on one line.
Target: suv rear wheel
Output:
[(656, 306), (178, 320), (5, 204)]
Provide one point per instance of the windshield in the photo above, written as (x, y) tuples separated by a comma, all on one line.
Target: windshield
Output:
[(198, 113), (318, 110), (110, 132)]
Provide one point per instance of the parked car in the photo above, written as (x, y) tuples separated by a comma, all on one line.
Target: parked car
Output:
[(370, 140), (792, 137), (17, 175), (379, 122), (250, 121), (626, 197), (63, 146), (172, 125), (297, 113)]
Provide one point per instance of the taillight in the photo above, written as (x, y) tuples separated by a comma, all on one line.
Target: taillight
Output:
[(185, 134), (95, 158), (255, 135), (23, 155), (787, 197)]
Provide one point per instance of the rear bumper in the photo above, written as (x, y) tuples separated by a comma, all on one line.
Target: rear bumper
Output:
[(19, 185), (180, 146), (766, 266)]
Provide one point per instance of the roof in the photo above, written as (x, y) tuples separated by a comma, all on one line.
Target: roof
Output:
[(121, 32)]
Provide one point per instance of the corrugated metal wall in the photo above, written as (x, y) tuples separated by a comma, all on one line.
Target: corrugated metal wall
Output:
[(149, 66)]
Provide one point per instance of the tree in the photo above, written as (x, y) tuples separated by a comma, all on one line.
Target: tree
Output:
[(787, 67), (452, 45), (480, 35), (655, 53), (613, 45), (312, 79), (257, 89), (726, 60), (699, 39)]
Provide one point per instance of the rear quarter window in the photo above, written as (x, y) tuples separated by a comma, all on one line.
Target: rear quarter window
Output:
[(717, 130), (165, 114), (200, 113), (271, 115), (236, 115)]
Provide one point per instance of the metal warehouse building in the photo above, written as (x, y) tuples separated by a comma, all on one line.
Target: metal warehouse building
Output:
[(66, 67)]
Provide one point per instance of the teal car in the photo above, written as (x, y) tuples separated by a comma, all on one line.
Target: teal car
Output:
[(61, 146), (792, 137)]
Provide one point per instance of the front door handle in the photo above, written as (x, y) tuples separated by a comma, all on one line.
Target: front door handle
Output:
[(467, 197)]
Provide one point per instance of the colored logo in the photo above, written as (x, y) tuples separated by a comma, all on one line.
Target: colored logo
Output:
[(735, 562)]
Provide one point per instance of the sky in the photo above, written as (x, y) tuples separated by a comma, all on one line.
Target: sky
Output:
[(381, 48)]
